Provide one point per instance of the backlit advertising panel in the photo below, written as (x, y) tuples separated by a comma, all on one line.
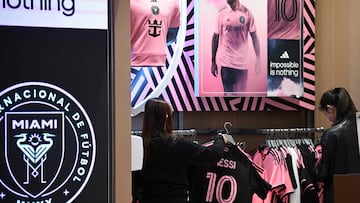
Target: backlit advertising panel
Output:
[(55, 101)]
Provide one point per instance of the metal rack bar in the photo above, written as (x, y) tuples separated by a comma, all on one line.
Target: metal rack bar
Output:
[(190, 132)]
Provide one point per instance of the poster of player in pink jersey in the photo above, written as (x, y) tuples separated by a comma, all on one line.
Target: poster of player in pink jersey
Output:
[(236, 53), (258, 50)]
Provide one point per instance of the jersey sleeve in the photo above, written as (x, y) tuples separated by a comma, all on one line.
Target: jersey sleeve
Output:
[(251, 22), (217, 26), (175, 20), (257, 184), (326, 164), (202, 154)]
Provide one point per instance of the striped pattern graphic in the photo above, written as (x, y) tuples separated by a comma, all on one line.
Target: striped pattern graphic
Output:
[(180, 90)]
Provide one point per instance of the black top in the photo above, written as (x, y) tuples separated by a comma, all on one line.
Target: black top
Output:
[(165, 178), (340, 153), (233, 179)]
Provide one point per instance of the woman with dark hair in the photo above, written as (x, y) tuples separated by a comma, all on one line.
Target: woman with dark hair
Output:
[(167, 157), (340, 148)]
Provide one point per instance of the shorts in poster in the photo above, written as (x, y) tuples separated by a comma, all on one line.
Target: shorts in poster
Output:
[(261, 27)]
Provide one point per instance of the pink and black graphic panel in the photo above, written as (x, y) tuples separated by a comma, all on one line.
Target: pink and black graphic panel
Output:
[(177, 79)]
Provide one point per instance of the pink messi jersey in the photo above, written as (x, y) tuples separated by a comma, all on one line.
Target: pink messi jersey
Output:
[(284, 19), (150, 21), (233, 28)]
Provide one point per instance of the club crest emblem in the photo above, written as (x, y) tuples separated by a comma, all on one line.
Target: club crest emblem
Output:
[(155, 10), (242, 19), (48, 144)]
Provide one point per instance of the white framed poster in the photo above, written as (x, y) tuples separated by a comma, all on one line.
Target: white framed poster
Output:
[(258, 49)]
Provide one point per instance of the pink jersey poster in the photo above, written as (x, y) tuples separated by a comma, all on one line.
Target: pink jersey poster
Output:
[(246, 48)]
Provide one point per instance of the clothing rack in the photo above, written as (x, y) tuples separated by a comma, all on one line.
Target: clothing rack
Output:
[(190, 132), (291, 130), (267, 131), (290, 136), (260, 131)]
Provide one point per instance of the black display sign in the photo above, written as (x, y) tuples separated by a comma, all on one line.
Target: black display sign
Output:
[(55, 115)]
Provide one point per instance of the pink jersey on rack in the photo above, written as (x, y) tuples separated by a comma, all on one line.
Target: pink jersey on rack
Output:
[(284, 19), (150, 21), (233, 28)]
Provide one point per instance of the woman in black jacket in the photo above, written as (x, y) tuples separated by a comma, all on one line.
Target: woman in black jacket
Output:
[(340, 148), (167, 157)]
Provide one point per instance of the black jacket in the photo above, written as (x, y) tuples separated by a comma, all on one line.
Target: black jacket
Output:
[(340, 153), (164, 179)]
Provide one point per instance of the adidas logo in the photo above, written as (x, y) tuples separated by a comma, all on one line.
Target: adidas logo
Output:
[(285, 55)]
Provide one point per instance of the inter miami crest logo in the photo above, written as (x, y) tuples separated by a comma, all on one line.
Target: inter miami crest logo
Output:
[(48, 144), (242, 19)]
